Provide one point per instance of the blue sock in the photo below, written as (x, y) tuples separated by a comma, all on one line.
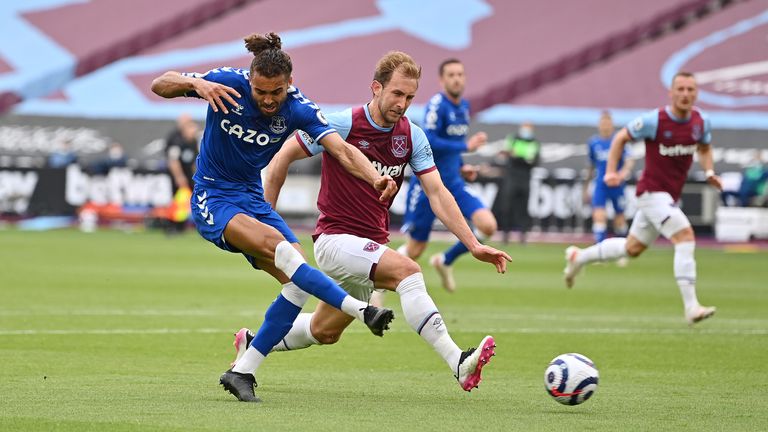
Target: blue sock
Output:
[(599, 235), (319, 285), (454, 252), (277, 322)]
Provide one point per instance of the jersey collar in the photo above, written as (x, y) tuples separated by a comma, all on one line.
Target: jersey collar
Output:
[(373, 123)]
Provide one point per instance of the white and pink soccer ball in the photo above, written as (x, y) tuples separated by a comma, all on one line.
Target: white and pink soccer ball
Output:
[(571, 378)]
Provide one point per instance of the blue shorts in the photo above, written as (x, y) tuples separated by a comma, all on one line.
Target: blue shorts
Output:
[(418, 218), (212, 209), (604, 193)]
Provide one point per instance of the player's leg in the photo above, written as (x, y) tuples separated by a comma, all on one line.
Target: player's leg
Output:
[(599, 220), (599, 224), (272, 252), (678, 230), (620, 228), (402, 275), (642, 234), (472, 209)]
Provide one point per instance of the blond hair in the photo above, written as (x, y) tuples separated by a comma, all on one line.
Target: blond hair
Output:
[(396, 60)]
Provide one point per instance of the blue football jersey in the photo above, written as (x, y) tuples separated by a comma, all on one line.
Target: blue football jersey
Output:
[(446, 125), (238, 145), (598, 154)]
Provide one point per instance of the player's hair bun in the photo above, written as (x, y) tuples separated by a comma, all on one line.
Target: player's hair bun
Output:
[(256, 43)]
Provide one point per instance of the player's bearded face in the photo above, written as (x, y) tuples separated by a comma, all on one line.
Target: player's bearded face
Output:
[(683, 93), (453, 79), (270, 93), (395, 98)]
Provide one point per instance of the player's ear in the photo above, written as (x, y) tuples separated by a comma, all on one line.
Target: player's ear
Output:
[(376, 87), (290, 80)]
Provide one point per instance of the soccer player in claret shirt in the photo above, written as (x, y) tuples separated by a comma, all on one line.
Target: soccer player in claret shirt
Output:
[(446, 124), (353, 229), (672, 135), (251, 114), (599, 145)]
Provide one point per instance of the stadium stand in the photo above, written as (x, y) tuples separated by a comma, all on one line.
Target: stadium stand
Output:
[(115, 30)]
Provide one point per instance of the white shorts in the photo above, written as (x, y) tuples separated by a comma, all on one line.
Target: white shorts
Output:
[(350, 260), (657, 213)]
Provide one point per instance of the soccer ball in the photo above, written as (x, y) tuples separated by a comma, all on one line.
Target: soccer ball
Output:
[(571, 378)]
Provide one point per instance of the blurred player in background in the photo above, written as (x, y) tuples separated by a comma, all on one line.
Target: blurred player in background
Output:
[(672, 135), (353, 229), (446, 124), (181, 149), (251, 114), (599, 145)]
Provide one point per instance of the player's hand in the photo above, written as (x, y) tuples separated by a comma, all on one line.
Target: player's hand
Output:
[(476, 141), (216, 94), (387, 186), (715, 182), (469, 172), (612, 179), (494, 256)]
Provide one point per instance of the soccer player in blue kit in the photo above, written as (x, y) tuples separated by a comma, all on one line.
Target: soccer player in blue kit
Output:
[(251, 114), (446, 124), (599, 145)]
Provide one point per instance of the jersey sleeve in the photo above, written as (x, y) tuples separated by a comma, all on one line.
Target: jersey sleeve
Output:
[(421, 161), (231, 77), (644, 127), (340, 122), (591, 151), (310, 118), (706, 136), (433, 121)]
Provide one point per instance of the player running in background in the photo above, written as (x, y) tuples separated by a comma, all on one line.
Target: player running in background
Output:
[(672, 135), (353, 229), (251, 114), (599, 145), (446, 124)]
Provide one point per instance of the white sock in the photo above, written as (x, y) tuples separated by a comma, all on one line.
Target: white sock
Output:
[(377, 298), (249, 362), (607, 250), (422, 315), (300, 335), (621, 230), (685, 273), (354, 307), (403, 249)]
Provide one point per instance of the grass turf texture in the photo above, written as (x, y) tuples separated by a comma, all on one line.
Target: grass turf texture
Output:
[(115, 331)]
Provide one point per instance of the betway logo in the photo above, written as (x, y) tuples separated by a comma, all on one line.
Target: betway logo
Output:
[(120, 186), (392, 171), (16, 189), (677, 150)]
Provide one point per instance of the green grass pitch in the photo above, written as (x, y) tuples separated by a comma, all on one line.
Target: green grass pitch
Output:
[(114, 331)]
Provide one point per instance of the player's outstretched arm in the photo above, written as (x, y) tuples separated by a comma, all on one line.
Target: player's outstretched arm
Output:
[(612, 177), (355, 162), (173, 84), (445, 208), (277, 170), (708, 164)]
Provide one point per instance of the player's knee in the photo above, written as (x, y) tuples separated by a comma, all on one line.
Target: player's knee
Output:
[(407, 268), (634, 249), (684, 235), (326, 336), (489, 228)]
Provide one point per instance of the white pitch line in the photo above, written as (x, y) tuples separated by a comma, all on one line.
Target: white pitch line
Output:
[(524, 330), (466, 313)]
